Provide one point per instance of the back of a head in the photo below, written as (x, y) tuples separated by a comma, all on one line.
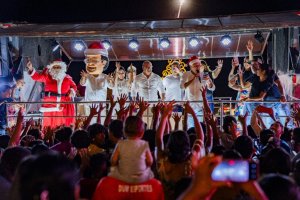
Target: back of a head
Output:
[(251, 132), (4, 139), (80, 139), (116, 128), (149, 136), (276, 160), (244, 145), (296, 172), (10, 160), (178, 147), (296, 135), (227, 121), (50, 174), (279, 187), (63, 134), (98, 164), (232, 154), (39, 149), (134, 126), (218, 150), (265, 136), (95, 129)]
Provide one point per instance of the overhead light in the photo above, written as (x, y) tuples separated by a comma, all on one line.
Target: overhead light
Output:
[(55, 48), (259, 37), (226, 40), (106, 44), (164, 43), (194, 41), (79, 46), (133, 43)]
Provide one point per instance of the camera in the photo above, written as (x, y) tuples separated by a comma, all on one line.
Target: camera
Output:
[(235, 171)]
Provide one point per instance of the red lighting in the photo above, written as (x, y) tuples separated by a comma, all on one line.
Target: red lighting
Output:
[(231, 162), (298, 13), (6, 25)]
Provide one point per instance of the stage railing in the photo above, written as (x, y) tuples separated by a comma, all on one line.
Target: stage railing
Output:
[(221, 112)]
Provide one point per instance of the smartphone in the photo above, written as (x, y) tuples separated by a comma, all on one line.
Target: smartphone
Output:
[(235, 171)]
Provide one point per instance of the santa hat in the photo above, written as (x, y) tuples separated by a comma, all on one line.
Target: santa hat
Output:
[(96, 48), (60, 63), (193, 60)]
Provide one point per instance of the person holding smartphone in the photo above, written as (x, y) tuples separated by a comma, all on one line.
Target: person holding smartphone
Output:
[(204, 183)]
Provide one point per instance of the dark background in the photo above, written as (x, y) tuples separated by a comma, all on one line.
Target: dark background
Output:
[(222, 90), (70, 11)]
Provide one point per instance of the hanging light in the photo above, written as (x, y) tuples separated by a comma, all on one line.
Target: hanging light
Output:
[(78, 45), (106, 44), (133, 43), (164, 43), (225, 40), (194, 41), (259, 37)]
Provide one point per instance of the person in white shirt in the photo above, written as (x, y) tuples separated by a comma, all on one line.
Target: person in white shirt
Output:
[(147, 84), (172, 83), (192, 81), (95, 82), (131, 74), (120, 84)]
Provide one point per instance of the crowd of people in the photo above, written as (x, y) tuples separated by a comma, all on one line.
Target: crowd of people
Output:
[(126, 158)]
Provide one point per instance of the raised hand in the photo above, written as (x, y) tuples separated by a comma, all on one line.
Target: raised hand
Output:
[(203, 91), (211, 120), (143, 105), (83, 74), (122, 100), (188, 108), (93, 110), (176, 117), (168, 108), (220, 63), (49, 134), (243, 118), (101, 107), (118, 65), (111, 101), (249, 45), (157, 108), (30, 122)]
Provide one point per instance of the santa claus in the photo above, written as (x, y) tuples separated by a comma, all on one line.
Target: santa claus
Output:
[(95, 82), (59, 88)]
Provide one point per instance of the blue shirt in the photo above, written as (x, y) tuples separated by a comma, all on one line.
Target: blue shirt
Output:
[(3, 110)]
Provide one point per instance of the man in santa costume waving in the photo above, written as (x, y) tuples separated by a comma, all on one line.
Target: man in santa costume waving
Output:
[(59, 88)]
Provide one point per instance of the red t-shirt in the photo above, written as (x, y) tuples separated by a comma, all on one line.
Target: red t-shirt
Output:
[(110, 188)]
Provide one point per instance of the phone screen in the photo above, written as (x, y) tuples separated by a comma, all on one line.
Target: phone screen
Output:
[(235, 171)]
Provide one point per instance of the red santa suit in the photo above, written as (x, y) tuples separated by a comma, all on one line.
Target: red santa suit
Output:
[(56, 91)]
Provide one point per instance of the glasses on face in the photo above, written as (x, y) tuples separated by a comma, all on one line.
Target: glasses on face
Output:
[(121, 73), (92, 60)]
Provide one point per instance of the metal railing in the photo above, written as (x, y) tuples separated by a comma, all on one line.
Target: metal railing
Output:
[(220, 113)]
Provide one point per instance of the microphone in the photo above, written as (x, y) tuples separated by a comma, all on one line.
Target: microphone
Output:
[(197, 74)]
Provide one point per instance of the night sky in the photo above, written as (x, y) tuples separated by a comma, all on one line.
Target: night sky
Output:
[(67, 11)]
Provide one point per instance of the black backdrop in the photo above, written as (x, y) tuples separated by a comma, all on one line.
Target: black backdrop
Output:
[(222, 90)]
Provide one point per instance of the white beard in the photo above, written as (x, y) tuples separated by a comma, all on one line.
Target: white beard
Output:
[(57, 75)]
